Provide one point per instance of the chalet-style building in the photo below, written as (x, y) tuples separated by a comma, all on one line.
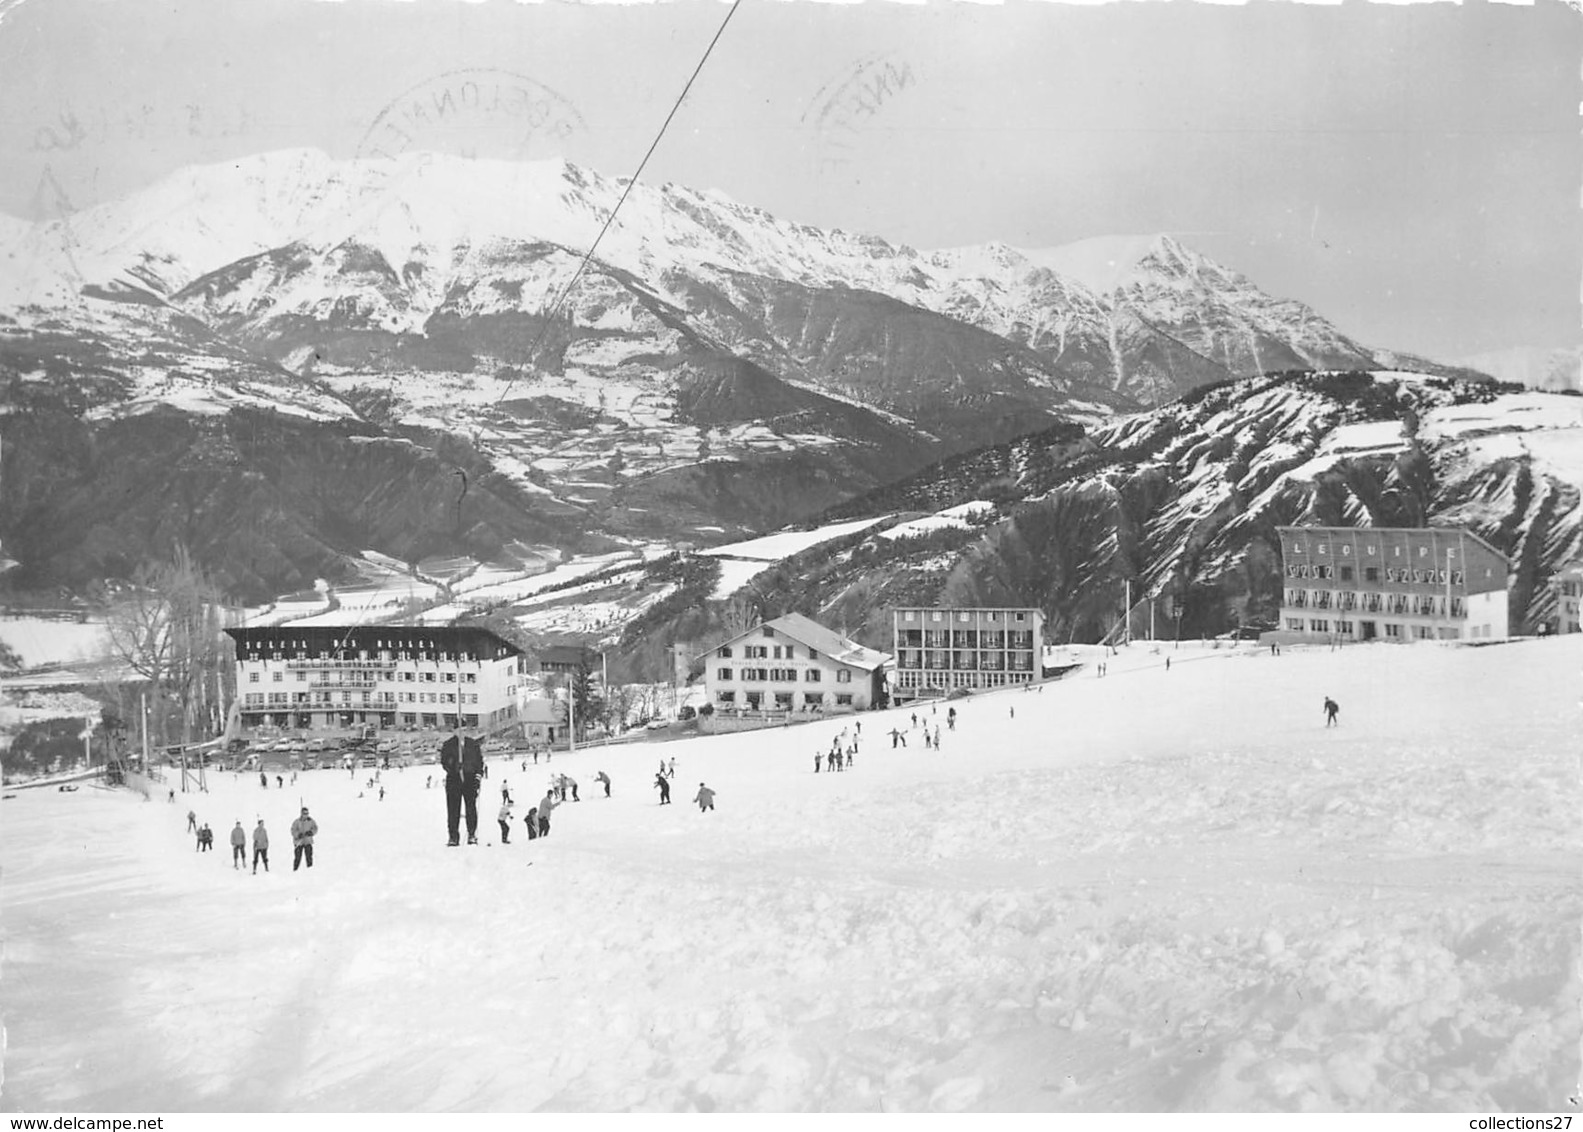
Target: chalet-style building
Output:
[(326, 677), (1391, 584), (793, 664), (940, 650), (1567, 586)]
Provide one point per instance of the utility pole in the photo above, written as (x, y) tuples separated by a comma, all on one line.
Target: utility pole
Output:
[(1126, 635), (571, 711)]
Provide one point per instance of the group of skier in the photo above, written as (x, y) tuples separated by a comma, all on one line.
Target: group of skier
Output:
[(303, 831)]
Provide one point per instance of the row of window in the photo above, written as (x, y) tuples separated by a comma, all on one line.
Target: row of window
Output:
[(755, 700), (941, 680), (963, 615), (941, 660), (1372, 574), (254, 699), (780, 675), (1393, 632), (278, 677), (1421, 605), (382, 656), (963, 639), (767, 652)]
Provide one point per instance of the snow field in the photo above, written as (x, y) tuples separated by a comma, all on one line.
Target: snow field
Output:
[(1156, 890)]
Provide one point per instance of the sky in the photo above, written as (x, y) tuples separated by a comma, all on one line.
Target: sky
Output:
[(1072, 905), (1412, 171)]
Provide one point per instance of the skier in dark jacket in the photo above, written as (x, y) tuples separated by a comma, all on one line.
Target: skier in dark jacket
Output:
[(462, 757), (1331, 710), (665, 788), (603, 778)]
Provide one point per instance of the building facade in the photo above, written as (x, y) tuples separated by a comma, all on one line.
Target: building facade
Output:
[(312, 678), (1391, 584), (1567, 586), (940, 650), (793, 664)]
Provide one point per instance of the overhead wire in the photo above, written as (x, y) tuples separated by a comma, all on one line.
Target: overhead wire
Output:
[(566, 290)]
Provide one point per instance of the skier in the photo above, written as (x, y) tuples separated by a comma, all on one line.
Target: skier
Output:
[(192, 822), (302, 832), (206, 835), (280, 782), (546, 807), (937, 736), (604, 779), (260, 846), (571, 783), (817, 759), (1331, 710), (672, 772), (263, 780), (705, 798), (238, 845), (532, 822), (927, 741), (505, 822), (950, 719), (463, 760), (665, 789)]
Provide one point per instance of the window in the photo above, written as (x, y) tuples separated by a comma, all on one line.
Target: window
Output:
[(1319, 625), (843, 701), (813, 654), (844, 676), (723, 674), (725, 651), (1346, 573), (252, 677), (813, 697), (277, 677), (814, 676), (768, 632), (1393, 631), (1295, 624), (1371, 573), (726, 697)]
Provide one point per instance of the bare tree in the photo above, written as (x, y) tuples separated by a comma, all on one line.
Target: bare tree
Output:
[(165, 627)]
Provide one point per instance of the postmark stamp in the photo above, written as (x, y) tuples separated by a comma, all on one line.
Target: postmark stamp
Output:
[(841, 109), (474, 112)]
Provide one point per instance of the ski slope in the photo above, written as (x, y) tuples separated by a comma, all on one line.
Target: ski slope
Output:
[(1157, 890)]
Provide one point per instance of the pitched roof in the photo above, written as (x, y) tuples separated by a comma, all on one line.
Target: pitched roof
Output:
[(806, 631)]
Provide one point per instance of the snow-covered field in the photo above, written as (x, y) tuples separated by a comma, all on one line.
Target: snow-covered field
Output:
[(1160, 889), (41, 640)]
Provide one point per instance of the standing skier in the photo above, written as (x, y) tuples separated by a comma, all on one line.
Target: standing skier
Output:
[(260, 846), (238, 845), (1331, 710), (302, 833), (705, 798), (603, 779), (664, 787)]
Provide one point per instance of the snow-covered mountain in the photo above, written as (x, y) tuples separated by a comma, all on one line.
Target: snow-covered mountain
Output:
[(1183, 502), (711, 368)]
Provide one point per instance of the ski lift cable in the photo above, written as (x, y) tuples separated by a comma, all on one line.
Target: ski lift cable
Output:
[(633, 180)]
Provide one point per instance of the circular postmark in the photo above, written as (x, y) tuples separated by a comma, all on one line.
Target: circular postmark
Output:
[(474, 112), (840, 109)]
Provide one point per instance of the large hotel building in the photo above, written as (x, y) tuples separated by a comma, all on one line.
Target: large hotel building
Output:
[(324, 677), (1391, 584), (939, 650)]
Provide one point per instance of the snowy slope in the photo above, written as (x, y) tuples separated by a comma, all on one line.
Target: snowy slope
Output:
[(1153, 891)]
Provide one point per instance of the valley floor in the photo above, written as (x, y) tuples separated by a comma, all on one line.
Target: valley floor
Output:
[(1157, 890)]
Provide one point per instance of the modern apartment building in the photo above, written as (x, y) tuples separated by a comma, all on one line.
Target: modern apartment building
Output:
[(1391, 584), (415, 677), (940, 650), (793, 664)]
